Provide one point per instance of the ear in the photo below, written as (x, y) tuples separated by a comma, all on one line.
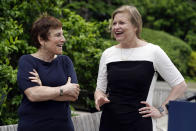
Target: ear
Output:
[(135, 29), (41, 41)]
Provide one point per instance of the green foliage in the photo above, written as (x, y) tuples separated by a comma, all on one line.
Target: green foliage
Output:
[(191, 38), (175, 48), (7, 84), (10, 33), (170, 16), (192, 65), (94, 9), (176, 17), (12, 45), (84, 45)]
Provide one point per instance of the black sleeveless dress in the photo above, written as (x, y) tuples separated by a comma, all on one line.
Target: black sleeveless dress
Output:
[(128, 84)]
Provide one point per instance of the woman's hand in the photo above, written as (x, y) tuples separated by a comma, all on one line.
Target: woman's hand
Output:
[(71, 89), (35, 78), (149, 111), (100, 99)]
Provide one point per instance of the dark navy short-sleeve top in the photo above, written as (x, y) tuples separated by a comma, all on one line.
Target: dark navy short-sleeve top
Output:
[(52, 74)]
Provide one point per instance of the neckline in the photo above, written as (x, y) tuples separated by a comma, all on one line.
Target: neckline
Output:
[(131, 47), (43, 60)]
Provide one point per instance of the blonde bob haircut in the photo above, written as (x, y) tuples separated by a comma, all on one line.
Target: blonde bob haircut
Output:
[(135, 17)]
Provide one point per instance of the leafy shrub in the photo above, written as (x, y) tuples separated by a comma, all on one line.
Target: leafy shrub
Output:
[(191, 38), (170, 16), (7, 84), (192, 65), (12, 46), (167, 15)]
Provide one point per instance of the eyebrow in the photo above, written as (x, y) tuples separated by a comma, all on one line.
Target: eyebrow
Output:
[(56, 33)]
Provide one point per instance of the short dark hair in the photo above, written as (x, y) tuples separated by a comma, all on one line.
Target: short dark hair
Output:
[(42, 26)]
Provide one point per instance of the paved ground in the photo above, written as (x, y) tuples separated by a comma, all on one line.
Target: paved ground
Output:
[(80, 112), (191, 85)]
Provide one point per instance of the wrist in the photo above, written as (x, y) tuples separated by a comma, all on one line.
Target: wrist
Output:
[(163, 110), (160, 109), (98, 94), (61, 91)]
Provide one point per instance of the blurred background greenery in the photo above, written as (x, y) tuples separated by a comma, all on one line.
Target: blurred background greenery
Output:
[(171, 24)]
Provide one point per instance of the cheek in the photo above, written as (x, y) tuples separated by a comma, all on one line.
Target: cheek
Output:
[(54, 42), (112, 33), (112, 30), (135, 30)]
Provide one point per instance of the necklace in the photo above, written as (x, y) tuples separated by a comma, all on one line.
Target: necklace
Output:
[(126, 53)]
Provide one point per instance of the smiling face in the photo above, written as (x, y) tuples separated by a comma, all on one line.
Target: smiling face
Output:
[(54, 44), (122, 29)]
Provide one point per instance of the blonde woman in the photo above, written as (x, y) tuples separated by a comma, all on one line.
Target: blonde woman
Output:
[(127, 76)]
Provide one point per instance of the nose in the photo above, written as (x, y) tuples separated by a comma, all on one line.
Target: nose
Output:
[(116, 26), (63, 39)]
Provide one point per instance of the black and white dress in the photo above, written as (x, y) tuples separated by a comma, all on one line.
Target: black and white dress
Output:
[(128, 76)]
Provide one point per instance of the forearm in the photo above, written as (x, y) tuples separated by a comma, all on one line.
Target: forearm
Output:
[(65, 98), (69, 92), (42, 93), (99, 93), (176, 92)]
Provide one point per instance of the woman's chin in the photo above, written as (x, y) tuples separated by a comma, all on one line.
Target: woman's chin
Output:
[(59, 53), (119, 39)]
